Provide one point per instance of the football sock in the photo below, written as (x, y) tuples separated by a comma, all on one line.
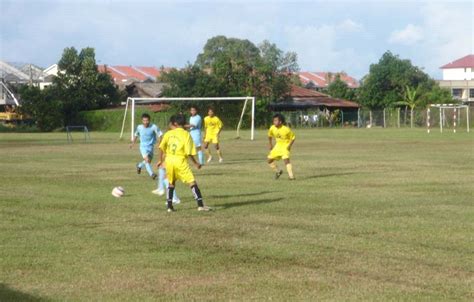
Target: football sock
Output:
[(274, 167), (219, 153), (149, 169), (289, 168), (169, 197), (141, 164), (197, 195), (201, 157), (167, 184), (161, 178)]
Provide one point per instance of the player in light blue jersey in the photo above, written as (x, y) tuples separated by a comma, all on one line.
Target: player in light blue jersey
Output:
[(149, 135), (195, 127)]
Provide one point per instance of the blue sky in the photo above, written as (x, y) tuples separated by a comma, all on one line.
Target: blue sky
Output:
[(327, 35)]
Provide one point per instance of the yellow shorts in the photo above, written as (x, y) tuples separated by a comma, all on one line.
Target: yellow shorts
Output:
[(279, 152), (213, 139), (178, 169)]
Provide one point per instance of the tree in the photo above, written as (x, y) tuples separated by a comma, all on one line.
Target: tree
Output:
[(338, 88), (80, 86), (411, 100), (387, 79), (235, 67), (42, 105)]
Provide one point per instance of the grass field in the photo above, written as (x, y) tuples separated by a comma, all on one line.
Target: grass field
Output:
[(373, 215)]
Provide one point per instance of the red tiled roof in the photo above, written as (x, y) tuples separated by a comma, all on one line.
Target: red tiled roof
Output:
[(300, 92), (464, 62), (122, 74), (322, 79), (303, 97)]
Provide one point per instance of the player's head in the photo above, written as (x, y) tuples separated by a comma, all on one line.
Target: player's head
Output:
[(146, 119), (178, 121), (210, 111), (193, 110), (278, 120)]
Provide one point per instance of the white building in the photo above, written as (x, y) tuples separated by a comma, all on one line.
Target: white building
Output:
[(458, 76)]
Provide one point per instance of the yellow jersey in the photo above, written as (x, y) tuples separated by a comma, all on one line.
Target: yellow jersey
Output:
[(213, 125), (283, 135), (177, 143)]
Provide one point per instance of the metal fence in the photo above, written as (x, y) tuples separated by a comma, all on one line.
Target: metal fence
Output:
[(385, 118)]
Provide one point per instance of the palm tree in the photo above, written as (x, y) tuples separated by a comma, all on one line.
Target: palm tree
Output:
[(411, 100)]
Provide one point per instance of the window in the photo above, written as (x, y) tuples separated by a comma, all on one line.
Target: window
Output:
[(457, 93), (471, 93)]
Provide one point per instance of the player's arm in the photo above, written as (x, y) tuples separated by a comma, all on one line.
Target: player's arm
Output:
[(162, 147), (270, 142), (134, 140), (293, 138), (221, 125), (191, 151)]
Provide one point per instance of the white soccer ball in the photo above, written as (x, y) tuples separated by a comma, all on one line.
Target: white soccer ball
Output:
[(118, 192)]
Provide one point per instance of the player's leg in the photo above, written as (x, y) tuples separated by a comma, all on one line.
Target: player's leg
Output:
[(208, 153), (218, 150), (197, 142), (272, 157), (148, 167), (160, 190), (140, 166), (200, 155), (273, 165), (289, 168), (198, 197), (170, 174), (176, 199), (185, 174)]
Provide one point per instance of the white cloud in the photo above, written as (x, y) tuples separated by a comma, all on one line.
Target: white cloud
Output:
[(323, 48), (410, 35), (349, 25)]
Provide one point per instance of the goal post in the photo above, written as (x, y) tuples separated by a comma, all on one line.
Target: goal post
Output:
[(132, 102), (450, 117)]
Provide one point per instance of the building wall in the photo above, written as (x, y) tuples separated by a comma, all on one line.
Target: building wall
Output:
[(458, 74), (461, 90)]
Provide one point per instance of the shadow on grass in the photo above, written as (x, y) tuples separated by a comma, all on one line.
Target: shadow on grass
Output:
[(248, 203), (240, 194), (330, 175), (9, 294)]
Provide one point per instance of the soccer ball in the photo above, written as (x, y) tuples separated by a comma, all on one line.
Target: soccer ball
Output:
[(118, 192)]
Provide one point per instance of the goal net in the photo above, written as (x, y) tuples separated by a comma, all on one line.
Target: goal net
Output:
[(448, 117), (236, 113)]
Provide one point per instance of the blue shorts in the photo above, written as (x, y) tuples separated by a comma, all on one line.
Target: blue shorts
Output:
[(146, 152), (196, 135)]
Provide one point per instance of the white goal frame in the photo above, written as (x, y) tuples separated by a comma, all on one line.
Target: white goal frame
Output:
[(456, 113), (132, 102)]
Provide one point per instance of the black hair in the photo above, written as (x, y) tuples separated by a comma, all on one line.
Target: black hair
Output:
[(146, 115), (178, 119), (280, 117), (211, 108), (195, 107)]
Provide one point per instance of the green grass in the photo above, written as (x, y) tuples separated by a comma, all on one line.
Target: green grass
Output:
[(373, 215)]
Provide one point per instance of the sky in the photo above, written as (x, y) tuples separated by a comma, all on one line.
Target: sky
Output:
[(327, 35)]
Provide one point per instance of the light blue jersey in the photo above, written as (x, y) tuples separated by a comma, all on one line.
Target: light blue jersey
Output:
[(148, 137), (195, 130)]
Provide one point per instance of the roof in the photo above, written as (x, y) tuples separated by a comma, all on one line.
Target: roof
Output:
[(303, 98), (121, 74), (323, 79), (464, 62)]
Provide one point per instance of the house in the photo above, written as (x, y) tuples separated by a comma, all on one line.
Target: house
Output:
[(321, 80), (124, 75), (307, 106), (458, 77)]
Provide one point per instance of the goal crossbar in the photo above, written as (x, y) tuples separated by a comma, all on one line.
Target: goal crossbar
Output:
[(132, 102)]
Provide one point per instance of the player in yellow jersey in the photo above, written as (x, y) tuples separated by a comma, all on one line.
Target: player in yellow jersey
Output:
[(213, 126), (175, 149), (284, 138)]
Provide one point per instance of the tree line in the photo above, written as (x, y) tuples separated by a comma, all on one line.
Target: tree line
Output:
[(225, 67)]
